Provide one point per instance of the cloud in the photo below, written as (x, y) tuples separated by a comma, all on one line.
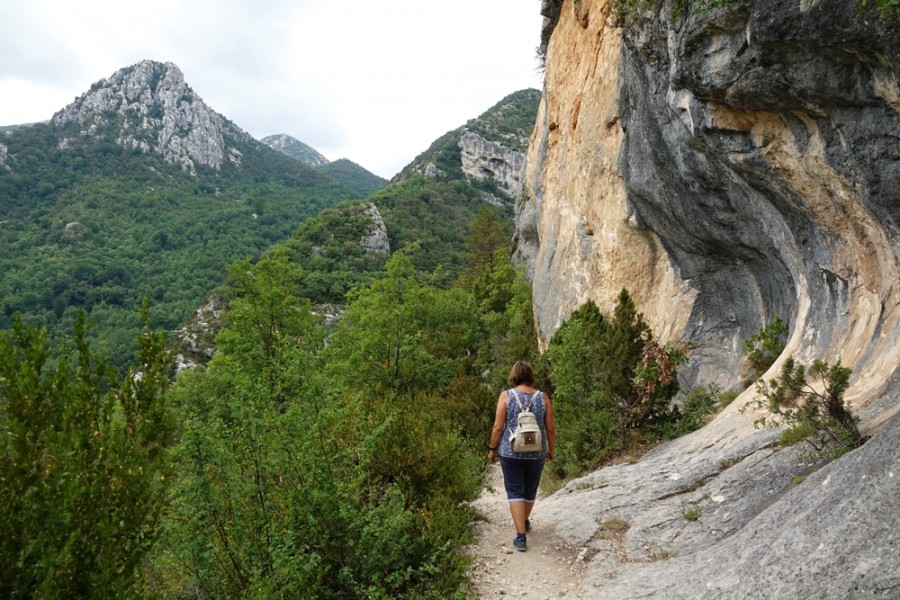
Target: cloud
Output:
[(373, 82)]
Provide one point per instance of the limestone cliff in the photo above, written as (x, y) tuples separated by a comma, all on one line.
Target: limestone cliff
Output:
[(486, 160), (148, 107), (727, 166), (488, 151), (376, 239)]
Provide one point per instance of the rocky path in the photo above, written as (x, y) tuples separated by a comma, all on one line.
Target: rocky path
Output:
[(548, 570)]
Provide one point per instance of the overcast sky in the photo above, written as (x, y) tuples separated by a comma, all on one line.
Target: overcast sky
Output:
[(375, 82)]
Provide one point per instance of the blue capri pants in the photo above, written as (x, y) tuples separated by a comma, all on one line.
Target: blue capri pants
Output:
[(521, 477)]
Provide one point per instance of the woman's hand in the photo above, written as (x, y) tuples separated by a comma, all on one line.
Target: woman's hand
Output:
[(491, 456)]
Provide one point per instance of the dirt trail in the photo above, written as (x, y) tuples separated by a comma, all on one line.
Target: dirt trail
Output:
[(548, 570)]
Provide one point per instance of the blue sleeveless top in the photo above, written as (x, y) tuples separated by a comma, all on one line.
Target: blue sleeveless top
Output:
[(539, 409)]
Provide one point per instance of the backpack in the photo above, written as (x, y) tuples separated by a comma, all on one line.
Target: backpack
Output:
[(527, 435)]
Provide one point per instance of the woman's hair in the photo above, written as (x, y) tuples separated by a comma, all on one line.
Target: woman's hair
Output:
[(521, 373)]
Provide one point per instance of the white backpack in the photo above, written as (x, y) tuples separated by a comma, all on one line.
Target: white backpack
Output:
[(527, 435)]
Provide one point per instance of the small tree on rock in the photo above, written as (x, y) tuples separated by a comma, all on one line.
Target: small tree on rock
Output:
[(820, 416)]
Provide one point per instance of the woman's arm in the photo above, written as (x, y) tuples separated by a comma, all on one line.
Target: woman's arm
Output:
[(550, 428), (499, 424)]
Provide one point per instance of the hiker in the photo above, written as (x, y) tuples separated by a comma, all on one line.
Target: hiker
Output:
[(522, 469)]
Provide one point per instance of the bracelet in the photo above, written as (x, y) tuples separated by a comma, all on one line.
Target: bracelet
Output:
[(491, 449)]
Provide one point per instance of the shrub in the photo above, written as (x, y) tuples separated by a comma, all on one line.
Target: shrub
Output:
[(697, 408), (611, 381), (83, 463), (764, 347), (691, 511), (888, 9), (821, 418)]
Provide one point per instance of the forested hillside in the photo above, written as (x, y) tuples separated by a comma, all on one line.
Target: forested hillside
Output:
[(87, 222), (429, 204)]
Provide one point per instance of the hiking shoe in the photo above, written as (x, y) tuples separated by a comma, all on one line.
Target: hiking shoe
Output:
[(527, 526), (520, 543)]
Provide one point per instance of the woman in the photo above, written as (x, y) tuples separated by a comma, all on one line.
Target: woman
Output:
[(521, 470)]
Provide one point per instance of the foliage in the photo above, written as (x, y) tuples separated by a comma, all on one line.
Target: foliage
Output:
[(486, 274), (630, 12), (633, 12), (764, 347), (327, 250), (691, 511), (611, 382), (400, 334), (818, 415), (655, 381), (510, 121), (97, 227), (888, 9), (433, 214), (84, 465), (354, 177), (695, 410), (299, 481)]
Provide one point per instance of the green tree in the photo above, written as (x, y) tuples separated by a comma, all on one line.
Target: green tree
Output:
[(267, 311), (764, 347), (611, 382), (488, 239), (84, 465), (624, 351), (400, 334), (297, 485), (819, 416)]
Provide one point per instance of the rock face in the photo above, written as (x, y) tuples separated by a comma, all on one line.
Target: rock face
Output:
[(490, 148), (727, 167), (195, 340), (483, 159), (152, 109), (753, 533), (377, 238), (295, 149)]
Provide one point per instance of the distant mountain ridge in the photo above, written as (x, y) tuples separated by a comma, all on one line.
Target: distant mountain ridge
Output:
[(360, 180), (430, 204), (295, 149)]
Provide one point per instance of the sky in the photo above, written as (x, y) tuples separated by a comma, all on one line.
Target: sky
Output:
[(375, 82)]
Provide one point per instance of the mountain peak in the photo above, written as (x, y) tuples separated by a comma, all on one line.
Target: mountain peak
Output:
[(149, 107), (295, 149)]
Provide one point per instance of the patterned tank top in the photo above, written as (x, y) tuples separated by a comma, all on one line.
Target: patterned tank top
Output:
[(539, 409)]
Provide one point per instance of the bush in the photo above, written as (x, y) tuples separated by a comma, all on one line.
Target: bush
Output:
[(821, 418), (83, 463), (695, 411), (764, 347), (609, 379)]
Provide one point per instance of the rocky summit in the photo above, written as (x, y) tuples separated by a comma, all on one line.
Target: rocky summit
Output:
[(295, 149), (148, 107), (727, 162)]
